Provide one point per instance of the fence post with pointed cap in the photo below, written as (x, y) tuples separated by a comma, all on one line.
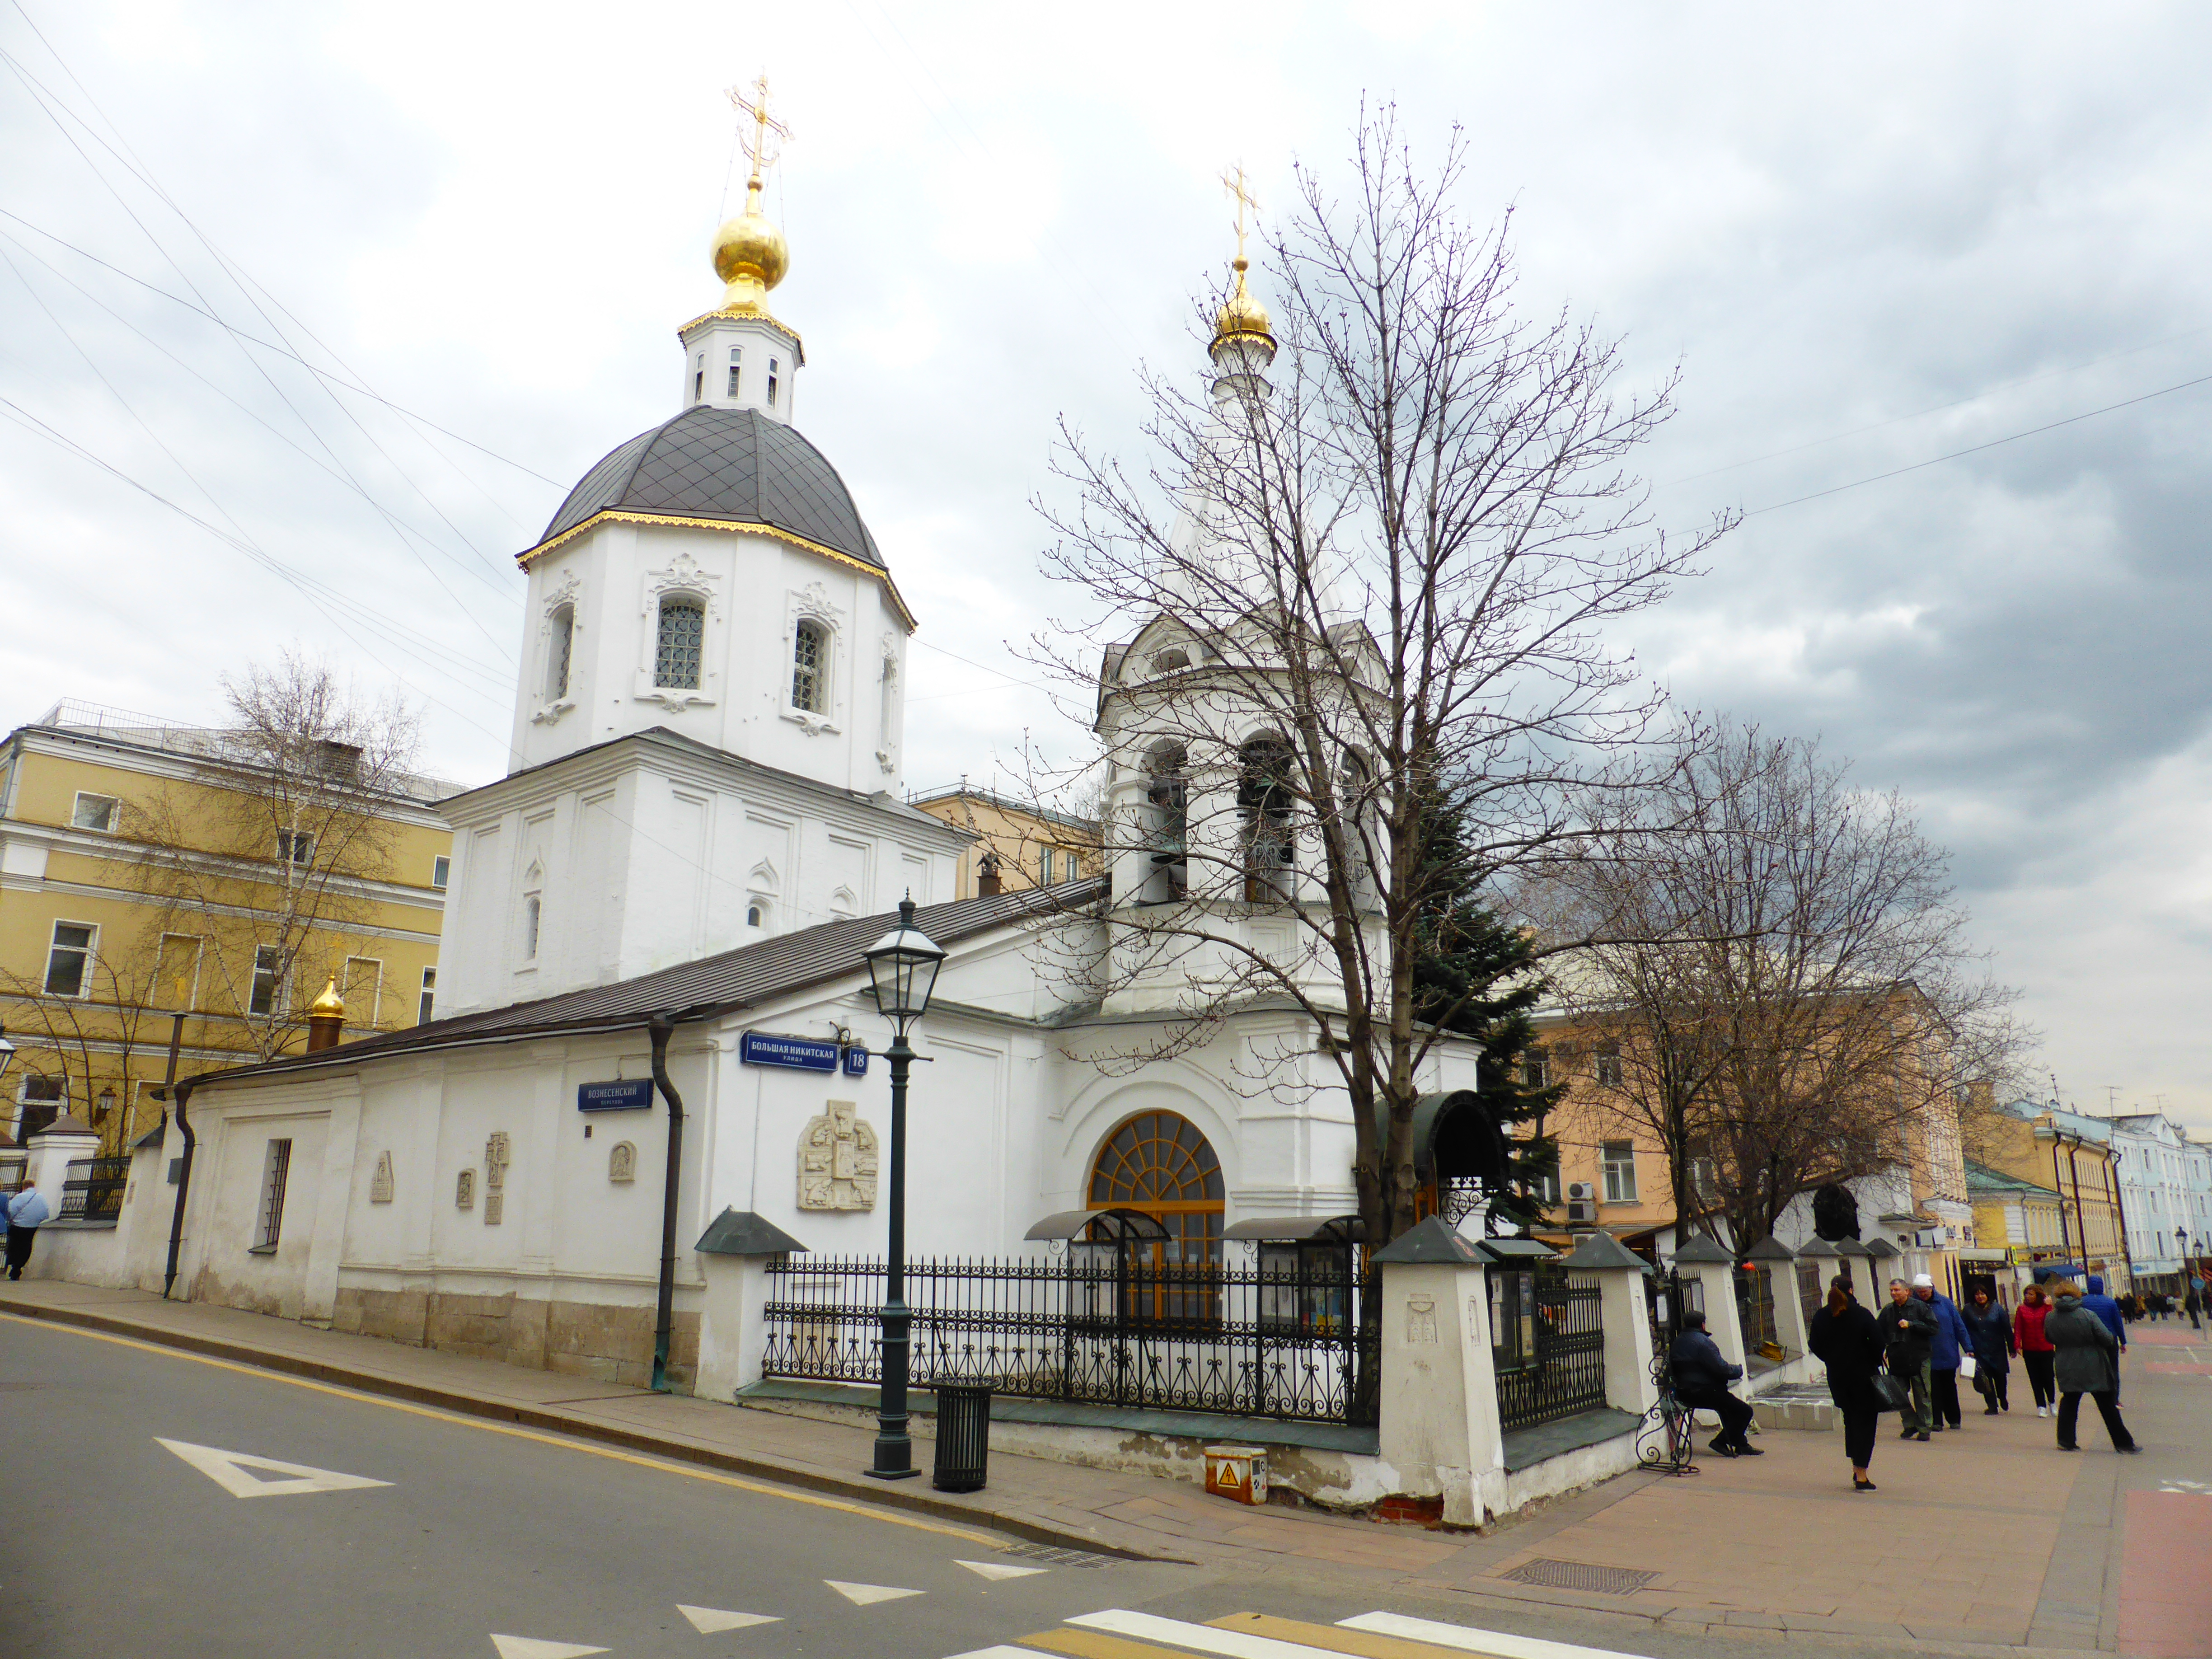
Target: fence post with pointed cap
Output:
[(1439, 1428), (1620, 1275)]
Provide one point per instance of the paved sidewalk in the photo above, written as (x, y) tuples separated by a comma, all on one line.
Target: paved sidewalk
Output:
[(1986, 1538)]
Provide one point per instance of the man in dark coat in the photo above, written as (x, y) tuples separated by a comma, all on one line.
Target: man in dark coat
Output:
[(2191, 1304), (1701, 1379), (1908, 1334)]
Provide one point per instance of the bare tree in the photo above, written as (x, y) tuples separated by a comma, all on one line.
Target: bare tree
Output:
[(276, 839), (98, 1025), (1785, 978), (1371, 568)]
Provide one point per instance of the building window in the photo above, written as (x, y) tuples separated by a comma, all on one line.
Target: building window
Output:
[(295, 846), (699, 377), (441, 869), (1546, 1186), (362, 988), (736, 354), (1159, 1162), (557, 653), (68, 959), (274, 1171), (1044, 867), (810, 653), (772, 369), (1619, 1172), (532, 910), (429, 996), (1704, 1180), (268, 993), (1608, 1065), (1263, 801), (1167, 793), (678, 647), (755, 914), (1535, 1070), (94, 812)]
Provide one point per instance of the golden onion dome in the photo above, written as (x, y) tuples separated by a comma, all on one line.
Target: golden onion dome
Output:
[(329, 1005), (750, 255), (1243, 317)]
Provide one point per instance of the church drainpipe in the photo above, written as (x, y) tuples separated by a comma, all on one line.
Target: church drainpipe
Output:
[(181, 1095), (659, 1028)]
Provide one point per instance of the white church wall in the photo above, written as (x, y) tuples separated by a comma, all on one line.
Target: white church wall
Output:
[(229, 1177)]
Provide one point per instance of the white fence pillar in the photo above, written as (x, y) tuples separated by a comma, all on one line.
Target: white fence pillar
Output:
[(52, 1150), (1439, 1427), (1714, 1269), (733, 1257), (1620, 1275)]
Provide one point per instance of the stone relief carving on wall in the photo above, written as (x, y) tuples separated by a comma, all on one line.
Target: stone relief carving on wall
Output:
[(1420, 1318), (464, 1190), (837, 1161), (379, 1184), (622, 1161), (497, 1157)]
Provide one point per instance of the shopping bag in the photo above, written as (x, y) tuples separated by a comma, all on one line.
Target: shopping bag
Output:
[(1966, 1367)]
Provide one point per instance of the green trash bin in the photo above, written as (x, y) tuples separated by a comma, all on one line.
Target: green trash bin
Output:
[(963, 1437)]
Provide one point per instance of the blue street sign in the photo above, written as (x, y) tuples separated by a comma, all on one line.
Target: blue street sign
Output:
[(617, 1096), (801, 1053), (856, 1061)]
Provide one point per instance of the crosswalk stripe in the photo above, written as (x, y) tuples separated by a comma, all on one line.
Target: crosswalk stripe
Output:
[(1231, 1644), (1331, 1638), (1460, 1639), (1096, 1645), (1001, 1651)]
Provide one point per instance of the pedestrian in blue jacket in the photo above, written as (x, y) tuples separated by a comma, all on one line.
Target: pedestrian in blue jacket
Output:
[(1951, 1337), (2107, 1309)]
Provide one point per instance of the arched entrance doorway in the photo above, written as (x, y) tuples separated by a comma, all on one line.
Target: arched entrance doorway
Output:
[(1159, 1164)]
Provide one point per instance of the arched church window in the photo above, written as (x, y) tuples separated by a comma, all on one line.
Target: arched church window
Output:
[(1264, 802), (737, 354), (771, 370), (678, 643), (1159, 1164), (1356, 810), (756, 914), (533, 911), (810, 661), (1167, 799), (699, 377), (1168, 661), (557, 653)]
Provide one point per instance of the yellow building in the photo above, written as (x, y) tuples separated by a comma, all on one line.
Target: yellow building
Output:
[(2070, 1155), (1022, 844), (145, 872)]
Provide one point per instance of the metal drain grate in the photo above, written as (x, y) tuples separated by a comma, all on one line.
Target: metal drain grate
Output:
[(1056, 1558), (1580, 1576)]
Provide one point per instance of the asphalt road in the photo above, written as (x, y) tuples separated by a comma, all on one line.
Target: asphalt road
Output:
[(128, 1533)]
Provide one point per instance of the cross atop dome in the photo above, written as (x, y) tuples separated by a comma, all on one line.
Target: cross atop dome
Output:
[(1243, 340), (750, 255)]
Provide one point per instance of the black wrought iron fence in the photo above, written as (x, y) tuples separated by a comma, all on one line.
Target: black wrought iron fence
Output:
[(92, 1189), (12, 1168), (1754, 1306), (1280, 1339), (1547, 1345)]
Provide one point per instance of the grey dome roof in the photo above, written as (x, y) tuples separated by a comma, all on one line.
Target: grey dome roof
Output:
[(733, 464)]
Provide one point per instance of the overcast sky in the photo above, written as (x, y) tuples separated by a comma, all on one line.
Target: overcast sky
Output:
[(1868, 245)]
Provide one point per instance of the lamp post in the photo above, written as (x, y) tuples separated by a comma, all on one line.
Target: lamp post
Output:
[(903, 971)]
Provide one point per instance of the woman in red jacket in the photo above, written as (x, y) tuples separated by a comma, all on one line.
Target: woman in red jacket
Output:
[(2038, 1353)]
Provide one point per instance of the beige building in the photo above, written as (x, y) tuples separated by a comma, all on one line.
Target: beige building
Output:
[(139, 883), (1022, 844)]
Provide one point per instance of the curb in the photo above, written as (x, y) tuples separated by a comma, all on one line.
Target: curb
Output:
[(882, 1494)]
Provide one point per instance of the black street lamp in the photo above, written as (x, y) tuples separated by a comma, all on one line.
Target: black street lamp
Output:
[(903, 969)]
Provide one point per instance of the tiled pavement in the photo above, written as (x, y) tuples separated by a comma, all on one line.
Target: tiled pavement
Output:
[(1987, 1535)]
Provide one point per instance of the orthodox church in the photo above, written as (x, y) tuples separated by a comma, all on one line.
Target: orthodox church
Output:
[(703, 833)]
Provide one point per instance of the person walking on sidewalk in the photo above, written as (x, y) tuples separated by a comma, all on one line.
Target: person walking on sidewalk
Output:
[(1843, 1337), (2089, 1362), (2036, 1353), (2191, 1304), (1993, 1346), (1952, 1338), (1908, 1332), (25, 1211), (1701, 1379)]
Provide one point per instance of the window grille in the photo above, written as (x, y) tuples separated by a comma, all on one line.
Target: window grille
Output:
[(68, 960), (676, 652), (556, 661), (268, 977), (1535, 1070), (274, 1173), (806, 665)]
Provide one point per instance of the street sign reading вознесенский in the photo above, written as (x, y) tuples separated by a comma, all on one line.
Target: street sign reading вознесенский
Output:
[(801, 1053), (619, 1096)]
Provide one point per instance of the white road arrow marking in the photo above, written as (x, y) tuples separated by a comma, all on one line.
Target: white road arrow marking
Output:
[(707, 1620), (997, 1569), (866, 1595), (228, 1470), (530, 1647)]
